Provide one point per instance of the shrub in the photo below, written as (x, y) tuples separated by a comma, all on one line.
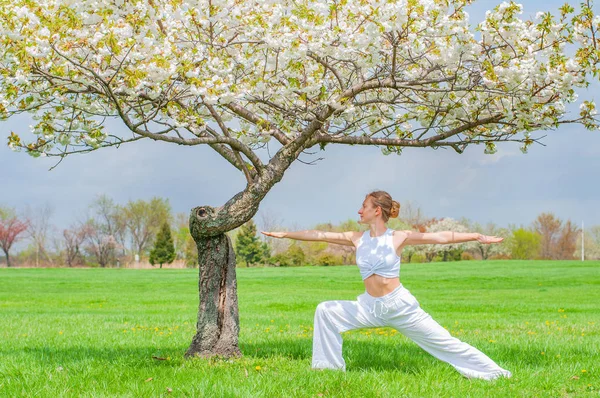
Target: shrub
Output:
[(296, 255), (293, 257), (280, 260), (466, 256), (417, 258), (329, 259)]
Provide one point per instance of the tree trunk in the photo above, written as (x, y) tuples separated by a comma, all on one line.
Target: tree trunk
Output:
[(7, 259), (218, 320)]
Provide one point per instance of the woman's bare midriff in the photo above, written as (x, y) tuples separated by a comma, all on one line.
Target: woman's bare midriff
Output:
[(377, 285)]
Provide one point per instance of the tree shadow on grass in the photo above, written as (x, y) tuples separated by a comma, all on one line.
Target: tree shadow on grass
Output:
[(360, 355), (72, 356), (403, 356), (384, 356)]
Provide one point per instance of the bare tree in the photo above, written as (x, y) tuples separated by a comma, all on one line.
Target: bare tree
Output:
[(39, 229), (110, 218), (99, 243), (548, 226), (74, 239), (269, 221), (411, 213), (567, 241)]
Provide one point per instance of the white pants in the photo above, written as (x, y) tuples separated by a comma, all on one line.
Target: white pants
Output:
[(401, 311)]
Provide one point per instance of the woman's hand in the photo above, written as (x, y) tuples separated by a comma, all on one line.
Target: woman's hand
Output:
[(274, 234), (485, 239)]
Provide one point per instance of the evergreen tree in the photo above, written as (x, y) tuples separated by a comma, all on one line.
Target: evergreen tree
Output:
[(164, 250), (248, 247), (266, 251)]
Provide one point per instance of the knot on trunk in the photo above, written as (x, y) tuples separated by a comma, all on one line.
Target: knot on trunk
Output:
[(206, 222)]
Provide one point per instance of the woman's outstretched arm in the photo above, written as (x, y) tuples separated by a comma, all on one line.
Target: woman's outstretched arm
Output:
[(447, 237), (341, 238), (298, 235)]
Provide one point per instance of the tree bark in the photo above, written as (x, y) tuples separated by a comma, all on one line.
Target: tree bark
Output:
[(218, 326)]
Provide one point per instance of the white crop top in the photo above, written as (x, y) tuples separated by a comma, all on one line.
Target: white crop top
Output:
[(377, 255)]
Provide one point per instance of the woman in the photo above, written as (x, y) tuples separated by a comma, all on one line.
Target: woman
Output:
[(386, 302)]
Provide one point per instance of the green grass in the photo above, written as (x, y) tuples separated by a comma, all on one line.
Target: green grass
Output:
[(94, 332)]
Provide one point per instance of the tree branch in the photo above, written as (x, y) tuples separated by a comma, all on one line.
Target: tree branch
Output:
[(161, 136), (366, 140), (225, 130), (257, 120), (327, 66)]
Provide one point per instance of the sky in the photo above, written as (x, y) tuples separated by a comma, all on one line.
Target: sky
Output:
[(505, 188)]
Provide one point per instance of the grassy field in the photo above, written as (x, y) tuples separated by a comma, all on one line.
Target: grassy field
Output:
[(94, 332)]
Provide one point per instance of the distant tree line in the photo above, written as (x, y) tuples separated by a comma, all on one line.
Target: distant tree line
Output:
[(107, 235), (113, 235)]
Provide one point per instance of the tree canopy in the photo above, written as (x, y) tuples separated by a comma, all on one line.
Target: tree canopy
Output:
[(393, 74)]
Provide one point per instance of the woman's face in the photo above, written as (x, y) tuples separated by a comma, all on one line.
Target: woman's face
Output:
[(367, 212)]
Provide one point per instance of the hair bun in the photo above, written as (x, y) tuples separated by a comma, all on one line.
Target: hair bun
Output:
[(395, 209)]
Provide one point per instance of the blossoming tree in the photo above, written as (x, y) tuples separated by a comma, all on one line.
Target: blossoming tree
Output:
[(235, 74), (445, 224), (11, 230)]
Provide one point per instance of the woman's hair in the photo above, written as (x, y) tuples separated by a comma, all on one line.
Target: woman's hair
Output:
[(389, 208)]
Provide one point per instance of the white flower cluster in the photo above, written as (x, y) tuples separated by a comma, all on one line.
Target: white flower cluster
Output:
[(285, 61)]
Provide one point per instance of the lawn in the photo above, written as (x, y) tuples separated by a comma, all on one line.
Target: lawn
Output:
[(119, 332)]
